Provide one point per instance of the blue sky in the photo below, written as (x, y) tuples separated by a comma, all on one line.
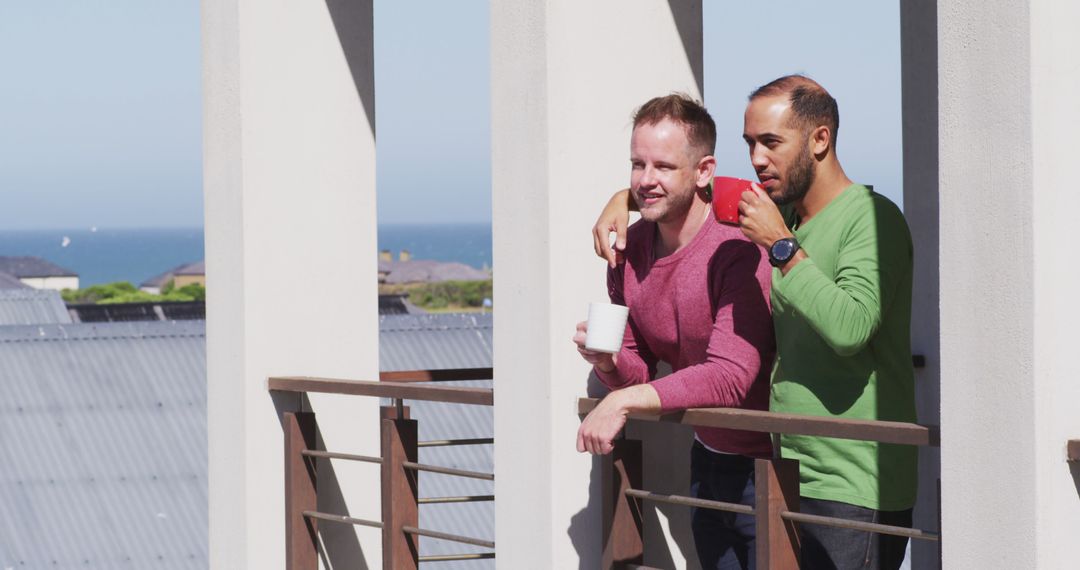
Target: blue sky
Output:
[(101, 103)]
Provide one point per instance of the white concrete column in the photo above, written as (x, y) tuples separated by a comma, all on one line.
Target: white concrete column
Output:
[(919, 79), (566, 77), (1055, 90), (289, 163), (1009, 79)]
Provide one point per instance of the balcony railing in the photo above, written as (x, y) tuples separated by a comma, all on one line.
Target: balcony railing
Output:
[(397, 461), (776, 508)]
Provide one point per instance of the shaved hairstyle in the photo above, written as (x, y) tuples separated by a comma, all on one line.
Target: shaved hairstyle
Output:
[(811, 104), (681, 108)]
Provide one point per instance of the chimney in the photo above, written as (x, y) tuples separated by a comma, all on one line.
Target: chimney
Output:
[(385, 255), (405, 255)]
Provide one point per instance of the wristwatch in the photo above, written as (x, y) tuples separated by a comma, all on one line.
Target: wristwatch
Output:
[(782, 250)]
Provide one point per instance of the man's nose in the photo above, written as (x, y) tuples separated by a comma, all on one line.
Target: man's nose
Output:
[(758, 157), (648, 177)]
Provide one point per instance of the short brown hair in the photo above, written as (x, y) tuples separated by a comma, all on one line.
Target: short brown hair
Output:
[(681, 108), (811, 104)]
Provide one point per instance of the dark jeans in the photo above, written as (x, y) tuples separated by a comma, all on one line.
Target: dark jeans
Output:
[(829, 548), (723, 540)]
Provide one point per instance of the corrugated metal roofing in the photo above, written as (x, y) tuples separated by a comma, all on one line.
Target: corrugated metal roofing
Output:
[(103, 435), (409, 342), (9, 281), (32, 307), (103, 443)]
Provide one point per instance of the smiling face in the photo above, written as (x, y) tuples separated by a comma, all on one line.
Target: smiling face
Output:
[(666, 172), (779, 150)]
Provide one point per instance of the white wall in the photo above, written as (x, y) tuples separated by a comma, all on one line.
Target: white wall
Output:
[(1008, 84), (566, 77), (289, 182), (55, 283)]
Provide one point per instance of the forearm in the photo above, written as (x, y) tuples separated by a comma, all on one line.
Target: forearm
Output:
[(845, 316), (641, 398), (629, 369), (717, 384)]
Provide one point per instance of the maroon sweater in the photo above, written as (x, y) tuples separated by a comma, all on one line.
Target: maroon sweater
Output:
[(705, 311)]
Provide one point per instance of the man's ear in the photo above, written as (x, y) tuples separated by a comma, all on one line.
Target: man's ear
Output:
[(706, 169), (820, 139)]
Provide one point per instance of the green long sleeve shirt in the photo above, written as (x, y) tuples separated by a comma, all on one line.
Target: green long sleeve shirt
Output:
[(843, 322)]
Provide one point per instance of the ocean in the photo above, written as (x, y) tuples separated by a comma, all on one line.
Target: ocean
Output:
[(108, 255)]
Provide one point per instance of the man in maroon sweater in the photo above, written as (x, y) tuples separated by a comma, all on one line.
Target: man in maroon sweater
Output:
[(698, 293)]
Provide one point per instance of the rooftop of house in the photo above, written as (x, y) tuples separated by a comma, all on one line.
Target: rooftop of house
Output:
[(188, 269), (427, 271), (23, 267)]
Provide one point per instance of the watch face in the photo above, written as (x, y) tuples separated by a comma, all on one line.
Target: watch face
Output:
[(783, 249)]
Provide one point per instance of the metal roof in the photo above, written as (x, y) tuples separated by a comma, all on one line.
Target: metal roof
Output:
[(9, 281), (433, 341), (103, 437), (103, 443), (32, 307), (27, 266)]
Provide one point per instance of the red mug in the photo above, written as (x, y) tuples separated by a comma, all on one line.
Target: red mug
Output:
[(726, 194)]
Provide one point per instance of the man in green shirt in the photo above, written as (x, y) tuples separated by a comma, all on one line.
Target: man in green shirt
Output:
[(841, 301)]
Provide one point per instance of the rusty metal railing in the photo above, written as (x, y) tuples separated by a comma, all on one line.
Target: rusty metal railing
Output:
[(776, 482), (397, 461)]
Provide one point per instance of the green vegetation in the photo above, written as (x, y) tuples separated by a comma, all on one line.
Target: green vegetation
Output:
[(445, 296), (124, 292)]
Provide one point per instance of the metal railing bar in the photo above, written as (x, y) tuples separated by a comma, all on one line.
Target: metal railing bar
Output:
[(773, 422), (403, 390), (439, 375), (452, 557), (914, 533), (335, 455), (447, 536), (463, 499), (449, 442), (342, 519), (691, 502), (448, 471)]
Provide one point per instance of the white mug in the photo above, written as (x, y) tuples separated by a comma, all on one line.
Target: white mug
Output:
[(607, 326)]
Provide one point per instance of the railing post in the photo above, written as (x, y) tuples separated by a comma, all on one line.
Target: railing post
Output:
[(623, 543), (400, 506), (301, 533), (776, 484)]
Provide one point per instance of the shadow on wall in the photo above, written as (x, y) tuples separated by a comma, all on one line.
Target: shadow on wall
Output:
[(687, 14), (666, 470), (339, 546), (1074, 468), (354, 21)]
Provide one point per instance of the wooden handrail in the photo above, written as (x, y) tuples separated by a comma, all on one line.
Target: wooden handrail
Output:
[(401, 390), (438, 375), (773, 422)]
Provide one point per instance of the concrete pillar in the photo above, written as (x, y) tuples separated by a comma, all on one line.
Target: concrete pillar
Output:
[(1008, 79), (566, 77), (1055, 87), (919, 98), (289, 174)]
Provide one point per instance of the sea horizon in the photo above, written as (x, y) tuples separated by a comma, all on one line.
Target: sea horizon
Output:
[(106, 255)]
